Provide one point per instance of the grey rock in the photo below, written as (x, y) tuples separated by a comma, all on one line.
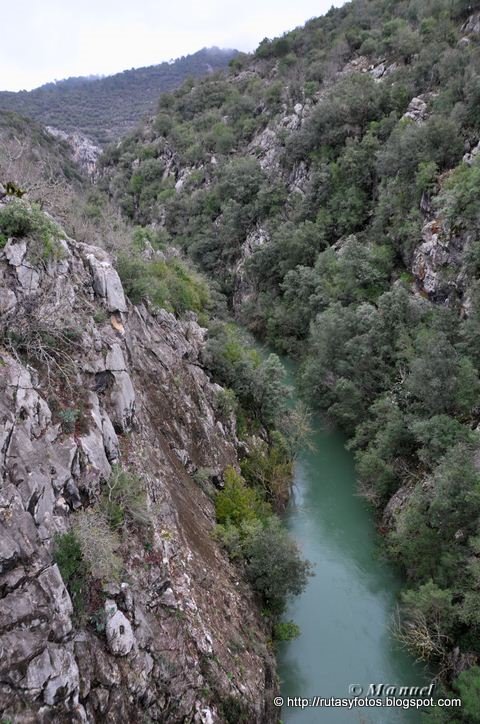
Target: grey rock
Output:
[(417, 110), (8, 300), (472, 25), (110, 440), (378, 72), (118, 630), (122, 397), (63, 681), (115, 361), (470, 157), (243, 286), (54, 588), (28, 278), (94, 457), (438, 262), (84, 151), (15, 251), (99, 699), (106, 282)]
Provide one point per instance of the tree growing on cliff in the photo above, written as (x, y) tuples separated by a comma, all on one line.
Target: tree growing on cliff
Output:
[(275, 567)]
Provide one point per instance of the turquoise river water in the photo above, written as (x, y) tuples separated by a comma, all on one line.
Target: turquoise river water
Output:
[(345, 614)]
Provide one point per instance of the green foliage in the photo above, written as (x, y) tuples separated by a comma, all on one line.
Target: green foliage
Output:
[(285, 631), (274, 565), (237, 503), (256, 382), (104, 108), (234, 711), (437, 435), (433, 605), (440, 379), (19, 219), (269, 467), (67, 554), (226, 403), (468, 686), (458, 200), (69, 417), (168, 284), (456, 501), (251, 533)]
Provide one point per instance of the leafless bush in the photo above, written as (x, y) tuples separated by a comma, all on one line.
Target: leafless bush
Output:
[(125, 499), (99, 545), (422, 638), (37, 175), (43, 339)]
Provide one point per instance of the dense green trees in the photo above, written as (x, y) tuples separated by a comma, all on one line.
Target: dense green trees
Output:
[(106, 108), (250, 532), (322, 210), (258, 383)]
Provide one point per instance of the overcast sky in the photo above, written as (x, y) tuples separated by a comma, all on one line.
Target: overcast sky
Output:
[(44, 40)]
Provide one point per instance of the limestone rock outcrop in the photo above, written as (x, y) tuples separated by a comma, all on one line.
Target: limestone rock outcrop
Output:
[(84, 151), (86, 382)]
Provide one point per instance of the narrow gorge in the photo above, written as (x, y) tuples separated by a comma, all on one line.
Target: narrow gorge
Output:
[(307, 217)]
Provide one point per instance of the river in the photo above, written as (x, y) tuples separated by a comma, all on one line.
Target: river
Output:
[(345, 613)]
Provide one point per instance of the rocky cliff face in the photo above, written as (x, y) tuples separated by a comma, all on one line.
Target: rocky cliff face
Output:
[(180, 636), (85, 153)]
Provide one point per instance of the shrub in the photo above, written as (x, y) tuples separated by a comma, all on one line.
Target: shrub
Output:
[(258, 384), (274, 565), (237, 503), (269, 467), (18, 220), (437, 435), (98, 545), (232, 537), (203, 478), (458, 199), (226, 402), (125, 500), (285, 631), (167, 284), (67, 554), (468, 686), (69, 417)]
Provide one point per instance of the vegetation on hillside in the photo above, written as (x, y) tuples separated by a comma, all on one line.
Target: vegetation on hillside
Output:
[(105, 108), (341, 199)]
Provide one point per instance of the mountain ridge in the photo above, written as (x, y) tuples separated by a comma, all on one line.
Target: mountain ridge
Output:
[(104, 108)]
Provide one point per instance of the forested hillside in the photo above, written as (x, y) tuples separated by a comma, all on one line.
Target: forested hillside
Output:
[(329, 183), (105, 108)]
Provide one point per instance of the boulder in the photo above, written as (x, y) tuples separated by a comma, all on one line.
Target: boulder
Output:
[(118, 630), (106, 283), (417, 110)]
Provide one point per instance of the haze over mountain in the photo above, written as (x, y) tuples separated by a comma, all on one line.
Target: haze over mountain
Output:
[(106, 108)]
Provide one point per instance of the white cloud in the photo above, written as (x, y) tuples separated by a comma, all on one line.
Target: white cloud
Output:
[(56, 39)]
